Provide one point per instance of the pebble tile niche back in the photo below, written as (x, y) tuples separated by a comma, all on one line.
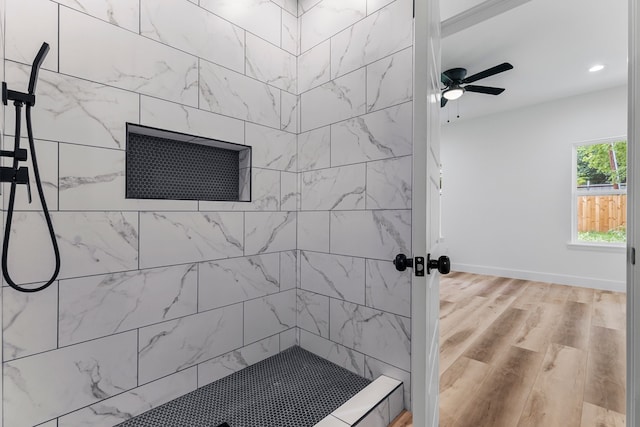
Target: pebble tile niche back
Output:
[(168, 165)]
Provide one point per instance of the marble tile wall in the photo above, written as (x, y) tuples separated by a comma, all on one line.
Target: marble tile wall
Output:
[(354, 158), (155, 297)]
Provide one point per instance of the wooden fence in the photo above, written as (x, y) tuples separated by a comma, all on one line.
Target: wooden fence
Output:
[(602, 212)]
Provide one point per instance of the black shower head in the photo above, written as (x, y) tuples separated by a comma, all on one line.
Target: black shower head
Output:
[(35, 68)]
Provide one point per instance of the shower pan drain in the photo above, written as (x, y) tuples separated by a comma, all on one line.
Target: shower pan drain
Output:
[(292, 389)]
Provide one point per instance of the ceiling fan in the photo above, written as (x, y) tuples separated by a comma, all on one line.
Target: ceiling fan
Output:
[(454, 78)]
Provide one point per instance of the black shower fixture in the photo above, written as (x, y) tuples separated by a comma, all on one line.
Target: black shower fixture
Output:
[(20, 174)]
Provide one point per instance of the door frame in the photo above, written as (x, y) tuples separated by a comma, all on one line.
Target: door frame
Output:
[(633, 228)]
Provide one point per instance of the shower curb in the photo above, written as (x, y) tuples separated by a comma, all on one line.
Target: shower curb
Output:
[(382, 400)]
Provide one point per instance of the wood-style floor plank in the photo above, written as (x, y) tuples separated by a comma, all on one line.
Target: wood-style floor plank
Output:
[(462, 379), (501, 398), (609, 310), (606, 370), (534, 334), (595, 416), (573, 329), (403, 420), (557, 395), (521, 353), (455, 342), (498, 337)]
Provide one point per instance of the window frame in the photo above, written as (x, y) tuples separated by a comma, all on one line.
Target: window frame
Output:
[(574, 242)]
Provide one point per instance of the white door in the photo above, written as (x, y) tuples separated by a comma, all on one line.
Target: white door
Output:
[(426, 212)]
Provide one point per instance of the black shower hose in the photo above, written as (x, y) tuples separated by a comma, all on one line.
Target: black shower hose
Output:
[(12, 199)]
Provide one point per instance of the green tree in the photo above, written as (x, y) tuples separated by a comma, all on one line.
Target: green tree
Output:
[(595, 163)]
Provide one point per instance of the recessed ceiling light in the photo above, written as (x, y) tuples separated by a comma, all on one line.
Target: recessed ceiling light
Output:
[(595, 68)]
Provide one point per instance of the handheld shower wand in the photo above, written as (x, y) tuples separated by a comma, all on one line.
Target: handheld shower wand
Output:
[(20, 175)]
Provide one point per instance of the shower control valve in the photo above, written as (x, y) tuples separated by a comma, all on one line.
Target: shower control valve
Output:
[(19, 176)]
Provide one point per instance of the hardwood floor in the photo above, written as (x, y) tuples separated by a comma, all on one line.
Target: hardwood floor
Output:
[(515, 353)]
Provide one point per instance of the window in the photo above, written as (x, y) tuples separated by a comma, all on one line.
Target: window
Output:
[(600, 192)]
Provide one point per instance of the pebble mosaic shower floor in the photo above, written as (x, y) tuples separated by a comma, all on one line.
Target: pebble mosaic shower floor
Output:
[(292, 389)]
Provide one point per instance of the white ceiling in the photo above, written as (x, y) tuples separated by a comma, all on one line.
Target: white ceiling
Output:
[(551, 45)]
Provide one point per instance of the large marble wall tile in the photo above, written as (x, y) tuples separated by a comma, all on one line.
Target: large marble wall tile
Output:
[(334, 101), (382, 335), (135, 63), (96, 306), (341, 188), (269, 232), (370, 39), (290, 6), (221, 366), (290, 36), (93, 179), (227, 92), (387, 288), (269, 315), (28, 24), (313, 231), (178, 344), (333, 275), (29, 322), (289, 112), (265, 194), (380, 135), (373, 368), (371, 234), (75, 110), (180, 118), (314, 149), (306, 5), (90, 243), (123, 13), (289, 191), (288, 267), (389, 81), (47, 155), (328, 18), (229, 281), (374, 5), (270, 64), (75, 376), (333, 352), (261, 17), (205, 35), (181, 237), (389, 184), (288, 338), (271, 148), (132, 403), (314, 67), (313, 313)]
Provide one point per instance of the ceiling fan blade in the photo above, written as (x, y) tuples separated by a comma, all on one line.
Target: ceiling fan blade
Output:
[(484, 89), (443, 101), (505, 66)]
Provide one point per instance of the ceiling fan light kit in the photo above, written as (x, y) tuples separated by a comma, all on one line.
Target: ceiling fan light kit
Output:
[(454, 78), (453, 93)]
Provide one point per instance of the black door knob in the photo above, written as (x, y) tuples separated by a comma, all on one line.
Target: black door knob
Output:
[(442, 264), (402, 262)]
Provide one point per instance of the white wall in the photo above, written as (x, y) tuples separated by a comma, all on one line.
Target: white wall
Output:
[(507, 191)]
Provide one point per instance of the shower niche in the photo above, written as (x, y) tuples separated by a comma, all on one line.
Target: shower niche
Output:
[(168, 165)]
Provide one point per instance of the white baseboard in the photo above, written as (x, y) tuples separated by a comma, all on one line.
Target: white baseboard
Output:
[(561, 279)]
